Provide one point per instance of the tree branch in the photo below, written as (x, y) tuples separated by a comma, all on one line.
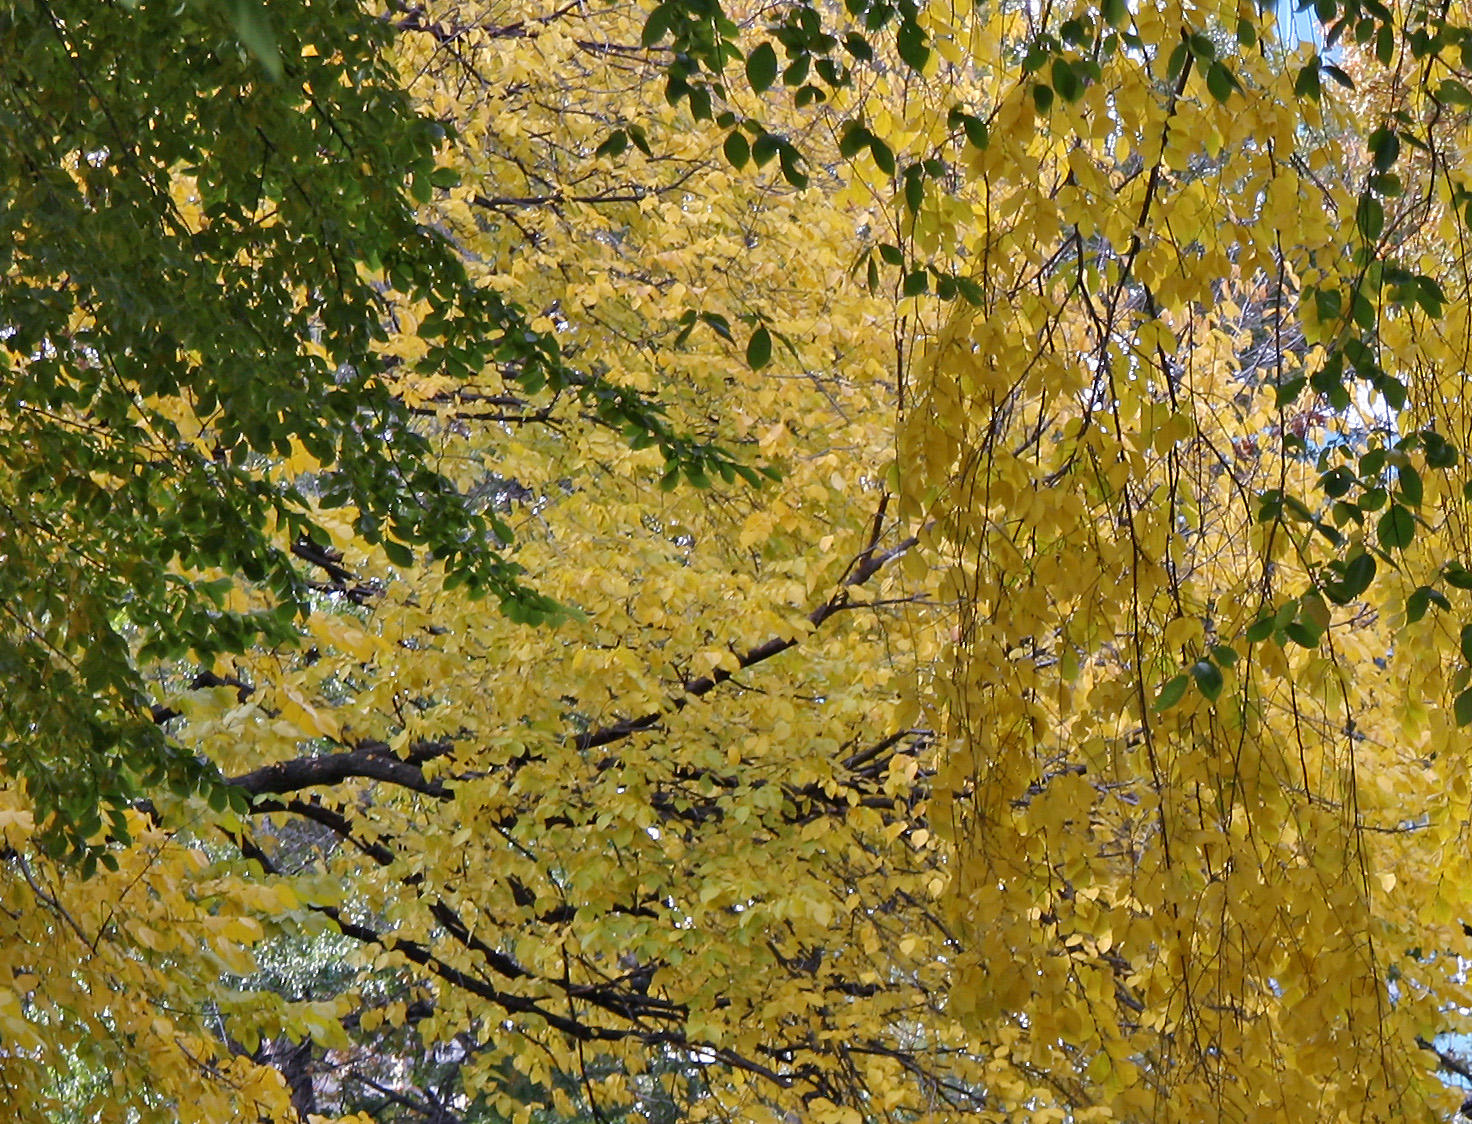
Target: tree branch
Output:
[(869, 564), (370, 760)]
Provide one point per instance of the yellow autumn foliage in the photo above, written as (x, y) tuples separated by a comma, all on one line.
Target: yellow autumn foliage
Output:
[(1067, 727)]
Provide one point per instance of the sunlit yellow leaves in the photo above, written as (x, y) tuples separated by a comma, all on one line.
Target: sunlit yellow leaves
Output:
[(1182, 230), (723, 782), (300, 714), (728, 830), (16, 1030)]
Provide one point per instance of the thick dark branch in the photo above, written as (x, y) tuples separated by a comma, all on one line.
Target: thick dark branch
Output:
[(474, 405), (417, 953), (324, 558), (415, 1012), (370, 761), (340, 580), (498, 960), (537, 418)]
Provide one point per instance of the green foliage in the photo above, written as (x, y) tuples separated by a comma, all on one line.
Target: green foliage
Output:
[(207, 218)]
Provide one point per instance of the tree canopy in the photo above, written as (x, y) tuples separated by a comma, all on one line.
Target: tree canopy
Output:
[(973, 509), (199, 267)]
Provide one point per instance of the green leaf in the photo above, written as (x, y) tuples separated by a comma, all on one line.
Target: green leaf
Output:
[(797, 71), (1260, 629), (1287, 392), (614, 146), (1369, 217), (854, 138), (1462, 708), (789, 157), (761, 67), (1385, 45), (1208, 679), (1176, 63), (1220, 81), (1065, 81), (1387, 184), (736, 149), (657, 26), (1303, 634), (1308, 84), (759, 348), (909, 42), (1430, 295), (764, 147), (883, 155), (914, 189), (254, 30), (1409, 487), (1417, 603), (1171, 693), (857, 46), (1337, 481), (1453, 92), (1384, 148), (1359, 572), (1440, 453), (719, 325), (1396, 528), (1393, 391)]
